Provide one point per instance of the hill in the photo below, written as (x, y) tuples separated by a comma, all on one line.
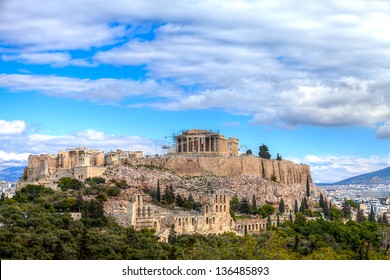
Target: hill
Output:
[(377, 177), (11, 174)]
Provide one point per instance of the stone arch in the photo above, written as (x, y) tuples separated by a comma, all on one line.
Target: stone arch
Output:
[(139, 212), (224, 198), (207, 208), (139, 200), (213, 220), (216, 208), (155, 225), (143, 211), (220, 208), (224, 208), (179, 222), (207, 220), (220, 198)]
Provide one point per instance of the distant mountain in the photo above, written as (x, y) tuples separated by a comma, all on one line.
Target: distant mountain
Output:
[(377, 177), (11, 174)]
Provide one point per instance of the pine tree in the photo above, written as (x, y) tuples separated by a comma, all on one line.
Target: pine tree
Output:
[(346, 208), (169, 195), (244, 206), (268, 225), (281, 206), (254, 205), (264, 152), (304, 205), (291, 218), (360, 216), (296, 206), (307, 187), (277, 221), (172, 235), (322, 202), (2, 198), (384, 218), (371, 216), (131, 237), (158, 192), (84, 251), (278, 157)]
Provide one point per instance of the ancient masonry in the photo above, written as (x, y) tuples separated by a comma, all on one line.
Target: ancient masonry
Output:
[(197, 141), (214, 217), (196, 153), (79, 163)]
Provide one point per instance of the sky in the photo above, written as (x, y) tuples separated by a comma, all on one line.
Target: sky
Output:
[(309, 79)]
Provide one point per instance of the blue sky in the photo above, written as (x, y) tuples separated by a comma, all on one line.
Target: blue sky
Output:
[(310, 80)]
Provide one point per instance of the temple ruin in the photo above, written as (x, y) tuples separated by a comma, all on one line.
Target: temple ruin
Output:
[(205, 142)]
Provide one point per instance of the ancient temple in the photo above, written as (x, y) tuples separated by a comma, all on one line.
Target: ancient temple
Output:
[(198, 141)]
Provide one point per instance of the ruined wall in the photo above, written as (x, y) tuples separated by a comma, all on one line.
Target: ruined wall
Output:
[(214, 216), (282, 171)]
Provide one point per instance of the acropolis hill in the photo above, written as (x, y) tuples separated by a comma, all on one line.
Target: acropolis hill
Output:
[(197, 153), (202, 163)]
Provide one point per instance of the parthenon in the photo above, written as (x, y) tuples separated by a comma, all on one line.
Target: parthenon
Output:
[(198, 141)]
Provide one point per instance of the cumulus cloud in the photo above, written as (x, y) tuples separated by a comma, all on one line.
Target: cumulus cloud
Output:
[(12, 127), (383, 131), (24, 145), (94, 90), (283, 64), (339, 167)]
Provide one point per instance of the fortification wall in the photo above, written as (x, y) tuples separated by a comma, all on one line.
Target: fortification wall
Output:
[(281, 171)]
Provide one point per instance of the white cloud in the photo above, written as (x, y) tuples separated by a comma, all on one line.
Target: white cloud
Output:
[(334, 168), (383, 131), (284, 64), (24, 145), (56, 58), (94, 90), (12, 127)]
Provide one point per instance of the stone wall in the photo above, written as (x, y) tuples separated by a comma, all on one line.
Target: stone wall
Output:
[(284, 172), (214, 216)]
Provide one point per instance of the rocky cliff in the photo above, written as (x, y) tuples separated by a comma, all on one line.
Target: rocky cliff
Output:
[(244, 176), (283, 172)]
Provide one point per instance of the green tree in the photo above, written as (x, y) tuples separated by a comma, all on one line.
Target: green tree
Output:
[(281, 206), (322, 201), (269, 223), (278, 157), (2, 197), (84, 250), (346, 208), (169, 195), (360, 216), (244, 206), (66, 183), (172, 235), (234, 203), (296, 206), (371, 216), (131, 237), (158, 192), (254, 204), (249, 152), (307, 187), (264, 152)]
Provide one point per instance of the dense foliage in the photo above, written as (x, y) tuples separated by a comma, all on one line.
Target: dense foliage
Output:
[(36, 224)]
